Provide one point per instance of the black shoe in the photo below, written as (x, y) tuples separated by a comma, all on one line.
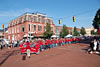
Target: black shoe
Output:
[(29, 57)]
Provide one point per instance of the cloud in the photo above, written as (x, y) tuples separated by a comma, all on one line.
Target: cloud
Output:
[(14, 13)]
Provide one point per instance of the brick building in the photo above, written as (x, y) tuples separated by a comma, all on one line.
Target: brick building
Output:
[(29, 24), (70, 30)]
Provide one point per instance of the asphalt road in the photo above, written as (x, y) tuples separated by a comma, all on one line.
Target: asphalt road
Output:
[(74, 55)]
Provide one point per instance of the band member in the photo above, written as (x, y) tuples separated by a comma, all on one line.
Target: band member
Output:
[(46, 45), (28, 48), (63, 42)]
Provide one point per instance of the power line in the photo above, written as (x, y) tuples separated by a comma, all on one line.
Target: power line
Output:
[(76, 14)]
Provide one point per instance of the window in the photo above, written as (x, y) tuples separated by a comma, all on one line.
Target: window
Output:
[(12, 30), (35, 18), (8, 31), (23, 28), (39, 27), (44, 28), (29, 18), (20, 20), (34, 27), (79, 32), (70, 31), (29, 27), (10, 24), (43, 20), (32, 18), (26, 18), (48, 20), (23, 19), (17, 29), (51, 28), (39, 20), (9, 37)]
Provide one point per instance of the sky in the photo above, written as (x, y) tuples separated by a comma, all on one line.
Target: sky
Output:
[(83, 10)]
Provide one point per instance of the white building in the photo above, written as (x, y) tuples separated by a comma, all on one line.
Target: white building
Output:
[(88, 30)]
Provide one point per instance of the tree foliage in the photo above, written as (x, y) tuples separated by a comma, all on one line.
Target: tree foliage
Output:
[(64, 31), (94, 33), (83, 32), (96, 20), (75, 32), (48, 33)]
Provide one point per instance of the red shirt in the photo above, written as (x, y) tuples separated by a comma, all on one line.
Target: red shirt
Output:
[(67, 40), (27, 43), (76, 39), (56, 41), (70, 39), (41, 43), (46, 43), (28, 47), (21, 45), (59, 41), (50, 43), (53, 42), (37, 45), (63, 40), (30, 43), (79, 39)]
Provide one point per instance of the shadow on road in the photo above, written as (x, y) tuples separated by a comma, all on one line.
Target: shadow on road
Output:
[(85, 41), (8, 54)]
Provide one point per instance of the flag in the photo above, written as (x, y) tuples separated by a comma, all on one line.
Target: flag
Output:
[(99, 30)]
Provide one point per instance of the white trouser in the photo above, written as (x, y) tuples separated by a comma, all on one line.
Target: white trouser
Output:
[(28, 52)]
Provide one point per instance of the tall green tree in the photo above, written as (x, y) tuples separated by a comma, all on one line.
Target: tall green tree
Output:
[(48, 33), (64, 31), (96, 20), (75, 32), (83, 32)]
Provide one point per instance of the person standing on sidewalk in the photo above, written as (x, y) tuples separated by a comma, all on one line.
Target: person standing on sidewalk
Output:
[(94, 47), (1, 45)]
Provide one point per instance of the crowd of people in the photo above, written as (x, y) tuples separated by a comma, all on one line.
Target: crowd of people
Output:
[(10, 44), (45, 44)]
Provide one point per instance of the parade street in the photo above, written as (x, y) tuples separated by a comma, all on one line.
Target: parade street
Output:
[(74, 55)]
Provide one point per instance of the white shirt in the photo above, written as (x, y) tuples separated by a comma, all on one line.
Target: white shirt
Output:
[(95, 45)]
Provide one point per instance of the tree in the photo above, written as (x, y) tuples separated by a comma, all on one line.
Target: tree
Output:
[(64, 31), (75, 32), (48, 33), (93, 32), (83, 31), (96, 20)]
